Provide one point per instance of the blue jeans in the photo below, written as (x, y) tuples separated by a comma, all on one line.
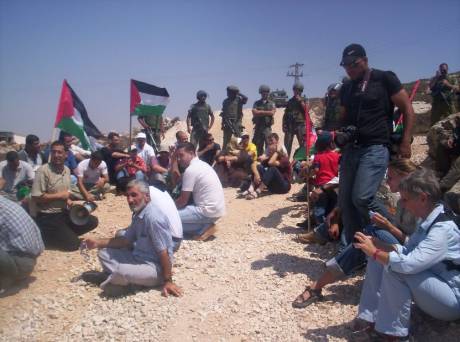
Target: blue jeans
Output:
[(139, 174), (361, 171), (350, 259), (193, 222), (387, 296)]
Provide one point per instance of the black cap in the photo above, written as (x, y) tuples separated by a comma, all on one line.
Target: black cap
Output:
[(351, 53)]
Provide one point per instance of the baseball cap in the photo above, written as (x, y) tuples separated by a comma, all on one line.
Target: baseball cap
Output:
[(351, 53), (163, 148), (141, 135)]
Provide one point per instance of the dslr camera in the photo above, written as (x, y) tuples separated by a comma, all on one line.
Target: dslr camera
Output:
[(346, 135)]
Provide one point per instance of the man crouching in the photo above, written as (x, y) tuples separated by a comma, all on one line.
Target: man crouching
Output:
[(143, 256)]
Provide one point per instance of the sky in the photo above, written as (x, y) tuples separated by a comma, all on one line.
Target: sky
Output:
[(185, 46)]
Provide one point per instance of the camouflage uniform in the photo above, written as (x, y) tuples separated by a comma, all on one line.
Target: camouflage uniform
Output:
[(232, 110), (294, 123), (263, 124), (332, 114), (154, 122), (443, 103), (199, 114)]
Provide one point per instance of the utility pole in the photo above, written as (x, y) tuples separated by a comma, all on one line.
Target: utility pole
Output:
[(296, 71)]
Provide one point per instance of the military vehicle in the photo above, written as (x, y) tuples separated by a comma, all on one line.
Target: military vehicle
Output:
[(280, 97)]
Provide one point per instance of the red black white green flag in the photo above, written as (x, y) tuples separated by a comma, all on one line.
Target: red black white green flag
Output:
[(147, 99), (72, 117)]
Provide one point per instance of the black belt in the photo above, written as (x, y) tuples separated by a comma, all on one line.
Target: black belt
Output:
[(175, 239)]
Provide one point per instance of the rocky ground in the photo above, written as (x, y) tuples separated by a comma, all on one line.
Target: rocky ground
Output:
[(237, 287)]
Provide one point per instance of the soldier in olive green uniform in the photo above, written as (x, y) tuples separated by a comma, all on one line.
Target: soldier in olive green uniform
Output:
[(153, 124), (263, 112), (294, 118), (332, 120), (198, 117), (232, 114), (442, 90)]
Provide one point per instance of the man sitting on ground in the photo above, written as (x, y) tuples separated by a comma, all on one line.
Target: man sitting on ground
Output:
[(144, 150), (20, 244), (93, 179), (163, 201), (131, 167), (112, 154), (14, 174), (159, 167), (143, 256), (31, 153), (208, 149), (200, 182), (51, 193)]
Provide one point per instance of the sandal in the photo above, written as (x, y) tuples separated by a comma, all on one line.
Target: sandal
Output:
[(300, 302)]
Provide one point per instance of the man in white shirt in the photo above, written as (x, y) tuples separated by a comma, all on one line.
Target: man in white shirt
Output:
[(144, 150), (93, 178), (200, 182), (164, 202)]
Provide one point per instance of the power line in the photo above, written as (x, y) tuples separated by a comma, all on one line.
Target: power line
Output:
[(296, 71)]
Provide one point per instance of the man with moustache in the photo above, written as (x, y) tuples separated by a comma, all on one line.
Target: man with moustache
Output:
[(143, 256)]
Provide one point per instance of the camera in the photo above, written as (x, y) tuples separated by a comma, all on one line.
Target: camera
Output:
[(346, 135)]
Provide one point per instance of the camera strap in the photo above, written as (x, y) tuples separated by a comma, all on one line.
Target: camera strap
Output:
[(362, 89)]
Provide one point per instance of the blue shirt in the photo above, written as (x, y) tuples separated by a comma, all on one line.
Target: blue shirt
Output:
[(70, 161), (426, 251), (150, 234)]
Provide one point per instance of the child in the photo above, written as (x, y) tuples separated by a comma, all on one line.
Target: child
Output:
[(324, 169)]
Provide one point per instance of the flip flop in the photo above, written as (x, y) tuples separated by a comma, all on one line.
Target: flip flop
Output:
[(300, 302)]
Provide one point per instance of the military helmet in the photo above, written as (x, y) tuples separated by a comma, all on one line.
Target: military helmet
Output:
[(201, 93), (334, 86), (264, 89), (298, 85), (233, 88)]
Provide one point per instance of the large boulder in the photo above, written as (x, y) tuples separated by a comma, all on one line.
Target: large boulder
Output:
[(440, 132)]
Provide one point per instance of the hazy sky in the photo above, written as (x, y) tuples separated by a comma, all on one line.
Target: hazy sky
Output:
[(98, 46)]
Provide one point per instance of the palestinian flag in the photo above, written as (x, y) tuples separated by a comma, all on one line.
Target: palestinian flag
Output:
[(72, 117), (147, 99)]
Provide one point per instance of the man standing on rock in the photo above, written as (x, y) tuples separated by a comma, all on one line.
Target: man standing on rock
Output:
[(232, 114), (294, 118), (201, 183), (200, 117), (143, 256), (367, 101), (263, 113)]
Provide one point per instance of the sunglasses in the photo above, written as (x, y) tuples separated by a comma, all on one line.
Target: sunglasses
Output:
[(353, 64)]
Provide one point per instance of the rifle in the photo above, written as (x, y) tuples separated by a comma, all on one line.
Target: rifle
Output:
[(227, 123)]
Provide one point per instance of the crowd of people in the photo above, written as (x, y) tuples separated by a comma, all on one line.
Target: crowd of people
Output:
[(411, 249)]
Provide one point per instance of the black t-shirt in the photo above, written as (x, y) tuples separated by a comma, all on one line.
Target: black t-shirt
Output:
[(110, 161), (210, 156), (372, 110)]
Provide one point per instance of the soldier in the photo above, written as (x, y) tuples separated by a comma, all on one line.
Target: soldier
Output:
[(198, 117), (442, 90), (263, 112), (154, 126), (232, 114), (294, 118), (332, 111)]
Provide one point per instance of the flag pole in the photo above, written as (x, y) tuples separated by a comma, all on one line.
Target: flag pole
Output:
[(130, 129), (53, 137), (307, 152)]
